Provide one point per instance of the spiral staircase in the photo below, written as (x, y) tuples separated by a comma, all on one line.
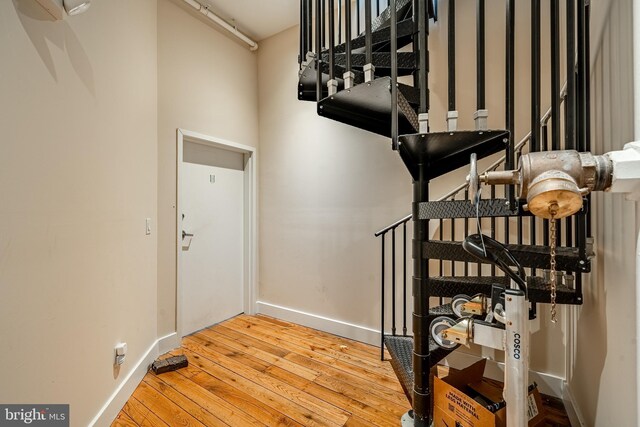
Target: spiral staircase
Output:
[(352, 56)]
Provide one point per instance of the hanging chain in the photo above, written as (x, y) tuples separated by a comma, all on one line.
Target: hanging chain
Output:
[(553, 210)]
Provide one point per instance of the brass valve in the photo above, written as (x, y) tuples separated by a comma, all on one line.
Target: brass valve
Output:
[(554, 182)]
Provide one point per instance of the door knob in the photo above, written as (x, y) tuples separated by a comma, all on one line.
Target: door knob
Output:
[(185, 234)]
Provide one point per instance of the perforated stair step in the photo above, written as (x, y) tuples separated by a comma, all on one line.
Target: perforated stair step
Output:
[(532, 256), (380, 38), (368, 106), (539, 291), (401, 352), (407, 63), (449, 209), (443, 152), (403, 10)]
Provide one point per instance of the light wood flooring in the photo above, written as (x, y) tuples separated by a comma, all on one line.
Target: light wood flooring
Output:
[(256, 371)]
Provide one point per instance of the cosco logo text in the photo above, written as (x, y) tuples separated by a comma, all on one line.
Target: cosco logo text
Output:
[(516, 346)]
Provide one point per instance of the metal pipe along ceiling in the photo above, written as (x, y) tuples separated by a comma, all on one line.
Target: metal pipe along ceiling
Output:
[(253, 45)]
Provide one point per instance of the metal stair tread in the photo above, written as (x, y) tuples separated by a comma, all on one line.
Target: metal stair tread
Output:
[(449, 209), (538, 290), (381, 36), (441, 310), (444, 152), (401, 350), (532, 256), (368, 106), (381, 60), (403, 7)]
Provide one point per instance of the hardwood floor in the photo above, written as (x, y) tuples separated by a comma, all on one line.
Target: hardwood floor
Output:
[(257, 370)]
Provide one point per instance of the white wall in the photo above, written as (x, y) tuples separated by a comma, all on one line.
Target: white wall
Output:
[(78, 170), (604, 376), (207, 83)]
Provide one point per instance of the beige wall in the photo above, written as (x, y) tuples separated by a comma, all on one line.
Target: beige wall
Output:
[(325, 188), (207, 83), (604, 378), (78, 170)]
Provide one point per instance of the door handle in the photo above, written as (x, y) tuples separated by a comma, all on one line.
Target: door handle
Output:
[(185, 234)]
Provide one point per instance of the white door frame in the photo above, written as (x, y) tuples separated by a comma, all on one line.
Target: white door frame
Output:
[(250, 246)]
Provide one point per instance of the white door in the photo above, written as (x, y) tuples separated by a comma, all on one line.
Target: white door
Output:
[(212, 259)]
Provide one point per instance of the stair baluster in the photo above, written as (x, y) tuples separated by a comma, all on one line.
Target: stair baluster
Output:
[(348, 75), (404, 278), (394, 77), (382, 306)]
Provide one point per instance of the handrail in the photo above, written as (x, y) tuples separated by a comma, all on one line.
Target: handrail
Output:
[(394, 225)]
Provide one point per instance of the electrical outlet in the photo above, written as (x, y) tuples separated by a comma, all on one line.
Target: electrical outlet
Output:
[(121, 353), (148, 226)]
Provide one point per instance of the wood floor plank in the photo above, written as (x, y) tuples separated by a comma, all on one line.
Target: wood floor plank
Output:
[(369, 367), (123, 420), (210, 350), (343, 344), (211, 402), (372, 364), (263, 394), (141, 415), (262, 345), (194, 409), (327, 363), (374, 416), (270, 358), (247, 403), (164, 408), (239, 356), (354, 421)]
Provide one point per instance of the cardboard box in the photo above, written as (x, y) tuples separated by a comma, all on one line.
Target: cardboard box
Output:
[(461, 397)]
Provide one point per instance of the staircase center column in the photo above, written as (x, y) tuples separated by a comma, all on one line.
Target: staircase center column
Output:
[(421, 387)]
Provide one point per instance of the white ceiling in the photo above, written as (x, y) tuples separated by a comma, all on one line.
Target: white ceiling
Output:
[(258, 19)]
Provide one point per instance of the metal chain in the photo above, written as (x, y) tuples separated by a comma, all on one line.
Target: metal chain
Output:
[(552, 242)]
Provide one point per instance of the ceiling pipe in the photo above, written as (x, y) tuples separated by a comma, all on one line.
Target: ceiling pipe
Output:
[(253, 45)]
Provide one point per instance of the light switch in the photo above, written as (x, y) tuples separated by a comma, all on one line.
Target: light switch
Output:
[(148, 226)]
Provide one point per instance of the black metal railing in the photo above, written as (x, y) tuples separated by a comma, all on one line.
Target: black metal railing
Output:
[(457, 229), (395, 260)]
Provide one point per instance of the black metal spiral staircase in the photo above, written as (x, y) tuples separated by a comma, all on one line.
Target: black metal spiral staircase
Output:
[(351, 56)]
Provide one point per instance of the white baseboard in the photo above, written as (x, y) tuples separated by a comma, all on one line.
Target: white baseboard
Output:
[(573, 411), (116, 401), (333, 326), (169, 342)]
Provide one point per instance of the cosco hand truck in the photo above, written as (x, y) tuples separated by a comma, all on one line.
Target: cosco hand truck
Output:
[(500, 322)]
